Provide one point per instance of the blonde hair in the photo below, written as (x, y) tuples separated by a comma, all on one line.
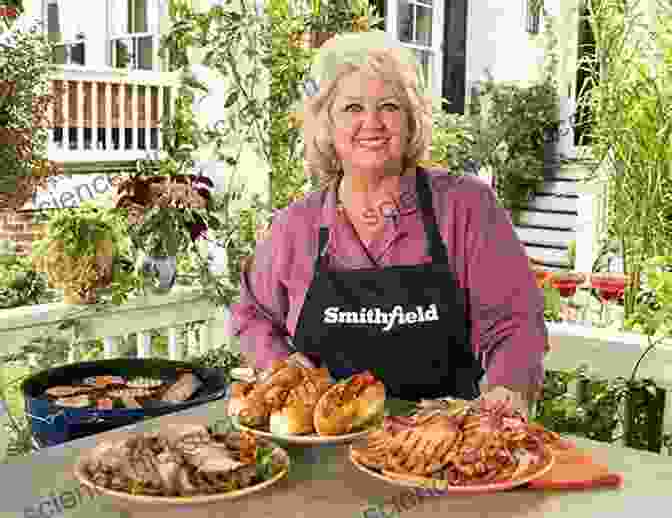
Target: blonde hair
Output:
[(362, 52)]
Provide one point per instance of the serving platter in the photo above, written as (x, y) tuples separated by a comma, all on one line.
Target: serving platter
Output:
[(534, 472), (310, 439), (130, 500)]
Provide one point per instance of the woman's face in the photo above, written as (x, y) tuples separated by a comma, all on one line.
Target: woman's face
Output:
[(371, 125)]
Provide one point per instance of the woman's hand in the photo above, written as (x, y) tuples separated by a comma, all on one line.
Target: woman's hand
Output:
[(302, 360), (516, 399)]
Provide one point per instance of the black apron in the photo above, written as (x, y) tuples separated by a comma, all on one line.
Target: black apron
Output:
[(408, 325)]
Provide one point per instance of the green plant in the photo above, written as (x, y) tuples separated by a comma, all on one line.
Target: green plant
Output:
[(25, 66), (552, 303), (571, 254), (628, 95), (20, 284), (454, 139), (592, 412), (514, 124), (237, 236), (341, 16), (519, 118), (222, 357)]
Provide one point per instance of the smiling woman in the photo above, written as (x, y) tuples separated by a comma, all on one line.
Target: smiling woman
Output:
[(416, 298), (374, 101)]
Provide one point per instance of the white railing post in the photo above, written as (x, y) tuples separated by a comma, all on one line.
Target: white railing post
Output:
[(122, 115), (147, 90), (66, 115), (94, 115), (144, 344), (111, 347), (79, 115), (134, 116), (174, 346), (159, 114), (204, 338), (107, 90)]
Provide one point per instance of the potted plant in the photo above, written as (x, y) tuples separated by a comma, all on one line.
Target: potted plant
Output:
[(166, 214), (78, 250), (25, 56)]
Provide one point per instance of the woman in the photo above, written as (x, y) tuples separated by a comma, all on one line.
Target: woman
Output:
[(416, 275)]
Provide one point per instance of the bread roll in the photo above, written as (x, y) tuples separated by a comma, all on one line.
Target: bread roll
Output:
[(349, 406), (295, 415)]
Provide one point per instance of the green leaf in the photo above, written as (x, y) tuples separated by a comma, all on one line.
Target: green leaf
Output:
[(231, 99)]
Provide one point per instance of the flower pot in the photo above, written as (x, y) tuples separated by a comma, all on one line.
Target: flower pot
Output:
[(104, 266), (160, 271)]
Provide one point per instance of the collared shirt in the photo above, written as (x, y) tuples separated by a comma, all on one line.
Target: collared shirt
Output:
[(488, 260)]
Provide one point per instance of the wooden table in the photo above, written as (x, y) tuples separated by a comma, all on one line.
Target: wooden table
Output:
[(322, 484)]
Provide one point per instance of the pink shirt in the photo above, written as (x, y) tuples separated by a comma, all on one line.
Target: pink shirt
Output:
[(489, 261)]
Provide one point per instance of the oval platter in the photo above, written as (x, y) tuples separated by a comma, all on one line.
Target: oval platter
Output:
[(534, 472)]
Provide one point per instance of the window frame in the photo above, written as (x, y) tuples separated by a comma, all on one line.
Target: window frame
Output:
[(132, 38), (66, 44), (436, 47)]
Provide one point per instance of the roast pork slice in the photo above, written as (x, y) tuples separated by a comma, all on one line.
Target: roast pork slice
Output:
[(108, 456), (168, 468), (211, 458), (184, 436), (184, 485)]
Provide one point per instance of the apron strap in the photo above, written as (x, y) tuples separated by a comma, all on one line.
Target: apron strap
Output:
[(435, 245), (322, 242)]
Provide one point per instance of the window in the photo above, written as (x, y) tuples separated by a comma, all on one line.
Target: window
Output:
[(64, 31), (416, 24), (533, 15), (134, 34)]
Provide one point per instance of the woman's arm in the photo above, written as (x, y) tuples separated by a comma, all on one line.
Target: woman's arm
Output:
[(262, 341), (507, 307)]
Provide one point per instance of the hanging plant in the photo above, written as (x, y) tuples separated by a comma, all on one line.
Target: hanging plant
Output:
[(78, 251)]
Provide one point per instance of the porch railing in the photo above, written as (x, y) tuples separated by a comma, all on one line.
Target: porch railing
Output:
[(107, 114), (142, 315)]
